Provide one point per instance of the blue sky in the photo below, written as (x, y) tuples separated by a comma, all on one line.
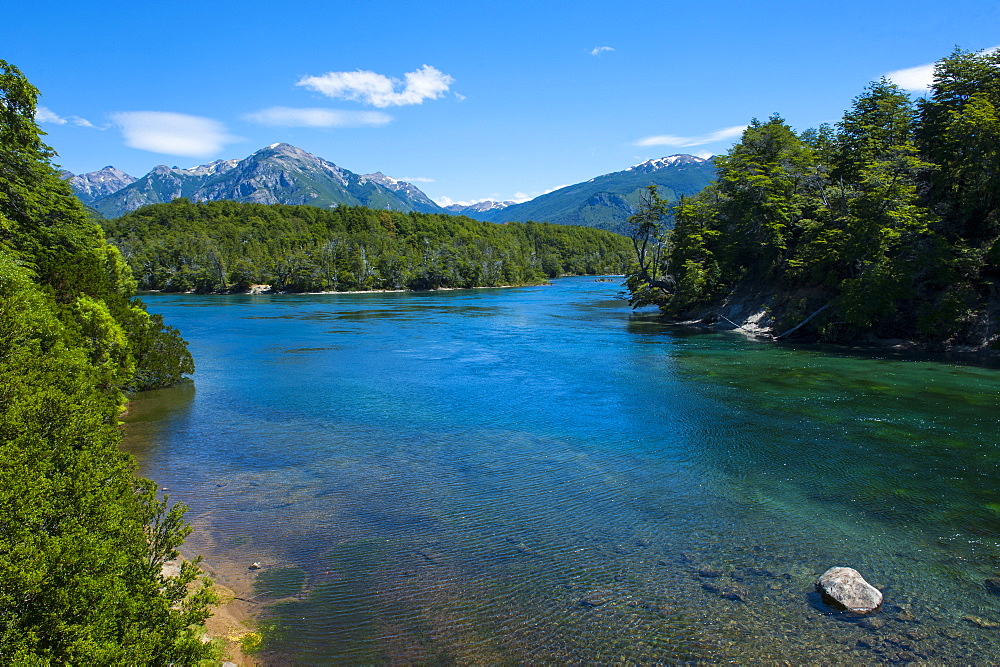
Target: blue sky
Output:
[(468, 100)]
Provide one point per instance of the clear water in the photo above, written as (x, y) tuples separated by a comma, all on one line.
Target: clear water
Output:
[(538, 474)]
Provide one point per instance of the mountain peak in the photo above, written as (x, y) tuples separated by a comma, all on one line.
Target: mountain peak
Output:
[(481, 207), (656, 164), (282, 148), (99, 183), (276, 174)]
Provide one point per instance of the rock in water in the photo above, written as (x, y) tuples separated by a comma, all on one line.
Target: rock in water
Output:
[(846, 588)]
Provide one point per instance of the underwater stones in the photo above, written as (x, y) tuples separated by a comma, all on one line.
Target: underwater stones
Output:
[(981, 622), (735, 593), (844, 587), (742, 573), (872, 624), (597, 598)]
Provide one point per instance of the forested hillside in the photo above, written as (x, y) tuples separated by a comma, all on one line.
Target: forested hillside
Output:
[(224, 245), (606, 201), (82, 539), (886, 224)]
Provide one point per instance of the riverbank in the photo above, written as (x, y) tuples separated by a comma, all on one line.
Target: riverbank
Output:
[(757, 314), (896, 347), (254, 290)]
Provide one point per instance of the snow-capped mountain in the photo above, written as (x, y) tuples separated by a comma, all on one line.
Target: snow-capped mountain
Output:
[(607, 201), (96, 184), (283, 174), (277, 174), (474, 209)]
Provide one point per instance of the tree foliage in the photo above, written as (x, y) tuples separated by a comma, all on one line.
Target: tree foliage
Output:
[(892, 216), (82, 540), (228, 246)]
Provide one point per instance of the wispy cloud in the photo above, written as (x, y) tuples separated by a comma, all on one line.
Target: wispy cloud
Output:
[(920, 78), (46, 115), (426, 83), (173, 133), (682, 142), (913, 78), (598, 50), (517, 197), (417, 179), (525, 196), (292, 117)]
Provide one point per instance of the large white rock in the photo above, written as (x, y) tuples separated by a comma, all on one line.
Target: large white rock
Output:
[(846, 588)]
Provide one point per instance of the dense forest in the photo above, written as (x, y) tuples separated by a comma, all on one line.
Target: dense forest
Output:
[(82, 539), (229, 246), (885, 225)]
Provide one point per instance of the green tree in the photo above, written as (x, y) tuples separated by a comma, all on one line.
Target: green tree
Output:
[(649, 241), (82, 540), (960, 133)]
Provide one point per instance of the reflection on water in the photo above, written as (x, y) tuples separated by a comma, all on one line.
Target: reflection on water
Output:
[(537, 474)]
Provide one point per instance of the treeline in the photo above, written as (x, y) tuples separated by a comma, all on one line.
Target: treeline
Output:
[(82, 540), (888, 221), (229, 246)]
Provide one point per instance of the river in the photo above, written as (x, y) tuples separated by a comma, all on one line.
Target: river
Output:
[(539, 474)]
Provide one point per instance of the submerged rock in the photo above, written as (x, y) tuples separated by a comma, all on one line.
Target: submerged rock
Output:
[(737, 593), (981, 622), (847, 589), (597, 598)]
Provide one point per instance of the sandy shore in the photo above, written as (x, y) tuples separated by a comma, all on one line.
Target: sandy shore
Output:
[(233, 615)]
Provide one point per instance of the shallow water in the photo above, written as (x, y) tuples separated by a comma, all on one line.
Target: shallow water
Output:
[(537, 474)]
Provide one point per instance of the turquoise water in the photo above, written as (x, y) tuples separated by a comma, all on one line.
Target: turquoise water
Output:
[(537, 474)]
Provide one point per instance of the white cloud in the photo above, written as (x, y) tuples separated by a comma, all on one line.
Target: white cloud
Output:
[(417, 179), (46, 115), (913, 78), (704, 155), (426, 83), (920, 78), (525, 196), (598, 50), (517, 198), (173, 133), (682, 142), (290, 117), (448, 201)]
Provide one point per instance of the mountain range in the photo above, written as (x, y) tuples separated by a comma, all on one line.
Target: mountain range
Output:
[(284, 174), (607, 201)]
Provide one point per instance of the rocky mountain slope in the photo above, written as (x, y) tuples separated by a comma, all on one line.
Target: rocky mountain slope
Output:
[(284, 174), (277, 174), (97, 184), (478, 209)]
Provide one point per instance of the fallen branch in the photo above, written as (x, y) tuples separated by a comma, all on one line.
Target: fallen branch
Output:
[(815, 313), (738, 326)]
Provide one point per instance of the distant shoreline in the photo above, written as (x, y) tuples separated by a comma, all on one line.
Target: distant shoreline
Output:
[(265, 290)]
